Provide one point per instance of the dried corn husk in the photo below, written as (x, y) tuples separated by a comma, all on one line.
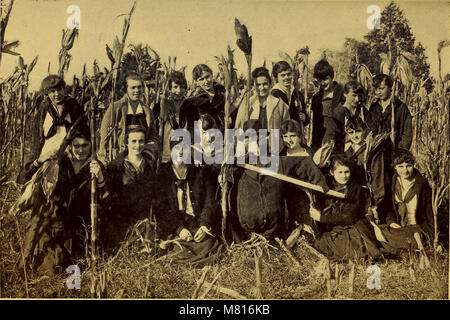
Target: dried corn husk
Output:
[(244, 41)]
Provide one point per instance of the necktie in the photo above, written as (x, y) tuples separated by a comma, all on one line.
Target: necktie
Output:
[(57, 120)]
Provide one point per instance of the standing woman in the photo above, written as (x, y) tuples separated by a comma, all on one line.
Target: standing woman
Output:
[(283, 89), (59, 113), (208, 98), (130, 181), (269, 110)]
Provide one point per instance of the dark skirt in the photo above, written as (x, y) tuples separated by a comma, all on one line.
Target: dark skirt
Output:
[(350, 242)]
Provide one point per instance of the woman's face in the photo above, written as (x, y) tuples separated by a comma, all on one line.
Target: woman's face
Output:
[(284, 78), (351, 98), (341, 174), (205, 81), (405, 170), (383, 91), (291, 140), (177, 91), (325, 83), (81, 149), (356, 136), (136, 142), (262, 86), (56, 95)]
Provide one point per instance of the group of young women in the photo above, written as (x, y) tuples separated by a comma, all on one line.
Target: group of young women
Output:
[(380, 188)]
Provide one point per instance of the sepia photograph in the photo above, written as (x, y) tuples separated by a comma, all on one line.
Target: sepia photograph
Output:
[(224, 150)]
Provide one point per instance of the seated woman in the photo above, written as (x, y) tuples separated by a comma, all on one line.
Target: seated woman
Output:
[(411, 205), (259, 198), (192, 211), (296, 161), (130, 180), (56, 231), (347, 233)]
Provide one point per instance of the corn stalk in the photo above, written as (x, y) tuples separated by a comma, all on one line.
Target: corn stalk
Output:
[(432, 147), (6, 47), (67, 40), (115, 56), (226, 68), (244, 42)]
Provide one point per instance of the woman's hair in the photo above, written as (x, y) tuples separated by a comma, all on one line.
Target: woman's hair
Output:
[(135, 128), (380, 78), (291, 126), (351, 85), (52, 81), (133, 76), (178, 78), (355, 123), (261, 72), (199, 69), (82, 131), (279, 67), (402, 156), (208, 122), (340, 159), (322, 70)]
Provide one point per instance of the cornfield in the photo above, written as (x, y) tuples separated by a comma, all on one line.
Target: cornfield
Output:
[(20, 112)]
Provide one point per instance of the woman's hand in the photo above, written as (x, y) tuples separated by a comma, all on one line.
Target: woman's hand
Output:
[(201, 234), (97, 171), (395, 225), (314, 213), (185, 235)]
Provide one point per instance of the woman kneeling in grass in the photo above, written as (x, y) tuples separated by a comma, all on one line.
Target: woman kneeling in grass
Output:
[(347, 233), (296, 161), (411, 205), (130, 180)]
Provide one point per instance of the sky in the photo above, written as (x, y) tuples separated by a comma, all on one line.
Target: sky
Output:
[(197, 30)]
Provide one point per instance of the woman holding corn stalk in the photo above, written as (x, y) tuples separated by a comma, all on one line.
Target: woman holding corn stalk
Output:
[(130, 181), (59, 197)]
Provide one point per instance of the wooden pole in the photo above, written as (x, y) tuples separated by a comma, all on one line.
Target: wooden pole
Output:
[(292, 180), (93, 188)]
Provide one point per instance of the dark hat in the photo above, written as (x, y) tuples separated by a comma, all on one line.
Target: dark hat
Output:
[(52, 81)]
